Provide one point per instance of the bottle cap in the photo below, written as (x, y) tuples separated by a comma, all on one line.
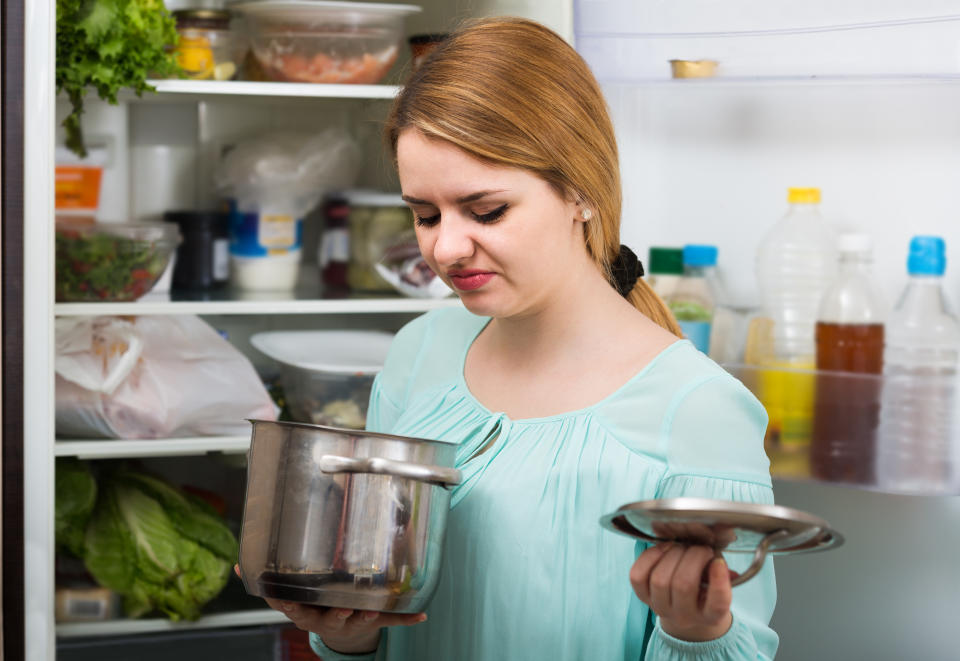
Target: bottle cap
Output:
[(699, 255), (927, 256), (665, 261), (855, 242), (803, 195)]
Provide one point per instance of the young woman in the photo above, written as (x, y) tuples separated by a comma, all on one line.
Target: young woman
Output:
[(562, 380)]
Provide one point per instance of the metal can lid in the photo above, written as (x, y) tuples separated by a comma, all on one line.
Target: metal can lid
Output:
[(209, 18)]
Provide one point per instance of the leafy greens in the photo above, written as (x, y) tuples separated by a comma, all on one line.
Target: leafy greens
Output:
[(109, 45)]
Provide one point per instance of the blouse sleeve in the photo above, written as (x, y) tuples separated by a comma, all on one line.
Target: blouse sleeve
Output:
[(714, 449), (327, 654)]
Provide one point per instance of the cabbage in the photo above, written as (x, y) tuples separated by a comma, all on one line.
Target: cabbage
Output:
[(76, 494), (158, 548)]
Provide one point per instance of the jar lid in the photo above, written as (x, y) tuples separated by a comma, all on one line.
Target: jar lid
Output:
[(202, 17), (371, 198)]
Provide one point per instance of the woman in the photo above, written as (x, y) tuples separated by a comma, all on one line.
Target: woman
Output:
[(563, 382)]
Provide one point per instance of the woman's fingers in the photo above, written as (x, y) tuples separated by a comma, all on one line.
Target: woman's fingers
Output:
[(661, 579), (686, 584), (719, 596), (641, 569)]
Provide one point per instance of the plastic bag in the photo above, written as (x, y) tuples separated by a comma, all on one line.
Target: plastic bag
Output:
[(152, 377)]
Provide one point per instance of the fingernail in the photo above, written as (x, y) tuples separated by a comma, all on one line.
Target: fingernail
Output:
[(369, 617), (422, 617), (344, 614), (287, 606)]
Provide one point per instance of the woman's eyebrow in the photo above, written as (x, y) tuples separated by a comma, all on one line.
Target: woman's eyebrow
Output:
[(472, 197)]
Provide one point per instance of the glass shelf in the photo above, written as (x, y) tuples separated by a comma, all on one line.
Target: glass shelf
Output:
[(120, 627), (218, 88), (895, 434)]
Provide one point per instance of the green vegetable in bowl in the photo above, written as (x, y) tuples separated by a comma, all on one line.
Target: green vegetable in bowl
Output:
[(109, 45), (106, 267)]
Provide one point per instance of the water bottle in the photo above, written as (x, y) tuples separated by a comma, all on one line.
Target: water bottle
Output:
[(664, 270), (914, 446), (849, 337), (796, 262), (695, 297)]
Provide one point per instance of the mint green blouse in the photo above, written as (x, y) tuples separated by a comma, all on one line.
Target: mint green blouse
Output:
[(528, 573)]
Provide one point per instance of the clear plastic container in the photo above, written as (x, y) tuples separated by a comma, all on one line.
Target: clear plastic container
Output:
[(378, 222), (327, 375), (796, 262), (694, 299), (111, 261), (849, 339), (323, 42), (916, 451)]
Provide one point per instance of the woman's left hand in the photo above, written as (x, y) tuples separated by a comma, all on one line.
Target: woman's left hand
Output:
[(670, 579)]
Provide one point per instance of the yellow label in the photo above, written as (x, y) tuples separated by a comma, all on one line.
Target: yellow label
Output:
[(277, 231)]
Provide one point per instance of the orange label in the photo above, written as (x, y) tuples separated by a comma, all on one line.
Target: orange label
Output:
[(77, 187)]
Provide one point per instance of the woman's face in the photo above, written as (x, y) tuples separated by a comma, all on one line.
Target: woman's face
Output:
[(501, 237)]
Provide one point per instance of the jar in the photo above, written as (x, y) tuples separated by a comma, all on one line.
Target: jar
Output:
[(205, 50), (377, 222), (203, 257), (334, 253)]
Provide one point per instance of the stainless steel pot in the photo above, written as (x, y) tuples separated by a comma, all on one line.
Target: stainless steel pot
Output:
[(346, 518)]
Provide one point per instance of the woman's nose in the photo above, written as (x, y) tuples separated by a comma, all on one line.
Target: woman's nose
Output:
[(454, 242)]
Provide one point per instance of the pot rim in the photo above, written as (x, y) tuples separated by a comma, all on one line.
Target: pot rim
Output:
[(348, 432)]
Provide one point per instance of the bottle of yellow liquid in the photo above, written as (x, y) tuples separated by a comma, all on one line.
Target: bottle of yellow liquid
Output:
[(796, 262)]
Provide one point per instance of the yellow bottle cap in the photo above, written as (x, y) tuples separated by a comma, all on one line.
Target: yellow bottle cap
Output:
[(803, 195)]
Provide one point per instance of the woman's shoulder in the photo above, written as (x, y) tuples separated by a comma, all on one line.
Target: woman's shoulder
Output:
[(685, 409), (430, 347)]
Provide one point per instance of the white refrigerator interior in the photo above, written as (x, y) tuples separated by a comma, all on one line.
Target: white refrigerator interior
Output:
[(861, 100)]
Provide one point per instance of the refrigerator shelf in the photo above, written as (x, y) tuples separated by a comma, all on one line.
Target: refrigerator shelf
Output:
[(243, 88), (261, 303), (122, 627), (153, 447)]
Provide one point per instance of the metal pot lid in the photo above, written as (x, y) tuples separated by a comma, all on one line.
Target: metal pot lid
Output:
[(724, 525)]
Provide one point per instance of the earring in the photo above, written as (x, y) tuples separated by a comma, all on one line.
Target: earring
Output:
[(586, 214)]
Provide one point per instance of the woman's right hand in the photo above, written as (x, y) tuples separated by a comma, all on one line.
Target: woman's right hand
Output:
[(342, 629)]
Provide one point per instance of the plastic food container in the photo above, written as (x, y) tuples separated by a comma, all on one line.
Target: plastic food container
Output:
[(327, 375), (207, 49), (111, 261), (323, 42), (377, 222)]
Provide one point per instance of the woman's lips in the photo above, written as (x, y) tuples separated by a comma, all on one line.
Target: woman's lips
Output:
[(470, 280)]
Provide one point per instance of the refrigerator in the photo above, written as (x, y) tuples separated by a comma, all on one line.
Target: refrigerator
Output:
[(857, 98)]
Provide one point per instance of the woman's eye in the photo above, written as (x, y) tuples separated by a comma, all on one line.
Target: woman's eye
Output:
[(427, 221), (491, 216)]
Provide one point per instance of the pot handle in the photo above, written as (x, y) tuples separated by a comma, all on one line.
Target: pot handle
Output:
[(330, 463)]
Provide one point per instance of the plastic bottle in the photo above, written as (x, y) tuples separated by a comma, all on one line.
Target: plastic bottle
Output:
[(849, 336), (914, 448), (796, 262), (694, 298), (664, 270)]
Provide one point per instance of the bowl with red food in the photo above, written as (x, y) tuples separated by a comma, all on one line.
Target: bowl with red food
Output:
[(111, 261), (313, 41)]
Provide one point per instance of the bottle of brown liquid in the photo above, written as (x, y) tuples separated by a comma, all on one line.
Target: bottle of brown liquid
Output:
[(849, 338)]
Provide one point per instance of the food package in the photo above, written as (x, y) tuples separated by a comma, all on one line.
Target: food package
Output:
[(407, 271), (152, 377)]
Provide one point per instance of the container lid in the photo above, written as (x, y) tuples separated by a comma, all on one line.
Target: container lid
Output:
[(927, 256), (307, 11), (699, 255), (372, 198), (356, 352), (856, 242), (212, 15), (145, 231), (665, 261), (803, 195)]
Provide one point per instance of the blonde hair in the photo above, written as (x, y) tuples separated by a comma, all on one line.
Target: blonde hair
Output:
[(510, 91)]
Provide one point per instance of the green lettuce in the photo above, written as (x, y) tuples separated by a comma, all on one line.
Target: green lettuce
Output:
[(158, 548), (75, 491)]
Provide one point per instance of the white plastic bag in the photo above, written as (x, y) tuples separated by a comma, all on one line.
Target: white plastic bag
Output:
[(152, 377)]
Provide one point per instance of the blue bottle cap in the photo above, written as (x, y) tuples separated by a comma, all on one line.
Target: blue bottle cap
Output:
[(927, 256), (699, 255)]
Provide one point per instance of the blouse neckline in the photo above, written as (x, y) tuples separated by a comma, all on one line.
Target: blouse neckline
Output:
[(462, 384)]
